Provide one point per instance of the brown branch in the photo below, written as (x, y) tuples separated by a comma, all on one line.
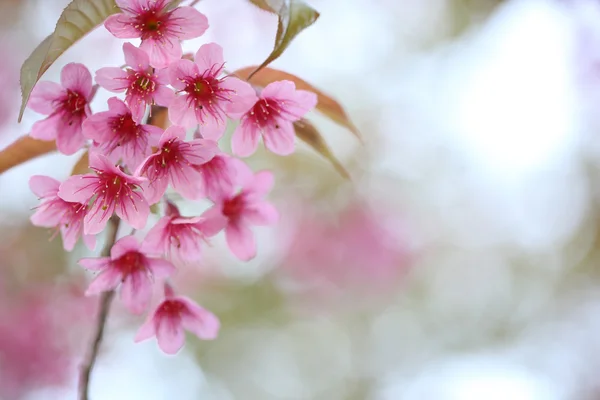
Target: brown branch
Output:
[(103, 309)]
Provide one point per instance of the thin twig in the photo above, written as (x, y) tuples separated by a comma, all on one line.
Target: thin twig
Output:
[(103, 309)]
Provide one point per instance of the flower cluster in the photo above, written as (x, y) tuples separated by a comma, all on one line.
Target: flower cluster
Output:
[(134, 162)]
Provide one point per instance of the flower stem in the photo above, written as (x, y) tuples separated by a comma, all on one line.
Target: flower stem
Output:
[(103, 310)]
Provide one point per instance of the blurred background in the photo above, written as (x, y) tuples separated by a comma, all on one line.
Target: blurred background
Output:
[(461, 261)]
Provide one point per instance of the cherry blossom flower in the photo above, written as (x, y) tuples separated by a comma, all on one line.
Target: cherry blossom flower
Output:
[(180, 238), (56, 212), (142, 84), (129, 266), (118, 136), (109, 191), (218, 176), (272, 117), (67, 106), (207, 99), (172, 316), (160, 27), (244, 209), (175, 163)]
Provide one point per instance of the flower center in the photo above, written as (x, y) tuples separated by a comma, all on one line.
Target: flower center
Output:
[(233, 207), (126, 128), (170, 154), (172, 307), (203, 89), (131, 262), (265, 112), (74, 103), (150, 24), (142, 84)]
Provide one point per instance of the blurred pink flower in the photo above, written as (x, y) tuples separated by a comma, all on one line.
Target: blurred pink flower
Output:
[(56, 212), (180, 238), (175, 163), (109, 191), (142, 84), (172, 316), (243, 210), (160, 27), (218, 176), (119, 137), (67, 106), (131, 267), (272, 117), (207, 99)]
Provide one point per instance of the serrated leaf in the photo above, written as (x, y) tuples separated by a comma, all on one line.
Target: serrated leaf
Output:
[(78, 19), (23, 149), (82, 166), (293, 17), (327, 105), (307, 132)]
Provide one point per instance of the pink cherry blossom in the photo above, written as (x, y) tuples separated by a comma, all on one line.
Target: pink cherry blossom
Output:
[(218, 176), (272, 117), (55, 212), (160, 27), (172, 316), (108, 191), (207, 99), (244, 209), (67, 106), (175, 163), (180, 238), (141, 83), (116, 134), (131, 267)]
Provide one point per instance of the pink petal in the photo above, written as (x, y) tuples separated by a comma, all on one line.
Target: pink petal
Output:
[(78, 78), (181, 113), (163, 52), (162, 76), (95, 264), (212, 223), (199, 321), (122, 26), (209, 55), (169, 334), (112, 79), (243, 97), (137, 106), (123, 246), (43, 95), (304, 101), (156, 189), (47, 217), (70, 235), (69, 137), (190, 22), (117, 106), (179, 70), (172, 132), (187, 247), (136, 292), (244, 141), (43, 186), (136, 58), (280, 90), (156, 240), (243, 174), (201, 151), (261, 214), (105, 281), (147, 330), (262, 183), (212, 127), (185, 181), (90, 241), (280, 140), (160, 268), (96, 218), (134, 211), (46, 129), (163, 96), (153, 133), (240, 240), (97, 127), (78, 188)]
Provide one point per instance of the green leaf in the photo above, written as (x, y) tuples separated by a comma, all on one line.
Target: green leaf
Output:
[(326, 104), (293, 17), (78, 19), (23, 149), (307, 132)]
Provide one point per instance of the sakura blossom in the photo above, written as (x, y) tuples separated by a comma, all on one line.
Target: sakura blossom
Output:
[(175, 162), (119, 137), (180, 238), (54, 212), (272, 116), (160, 27), (108, 191), (219, 175), (244, 209), (129, 266), (206, 98), (174, 315), (67, 106), (142, 84)]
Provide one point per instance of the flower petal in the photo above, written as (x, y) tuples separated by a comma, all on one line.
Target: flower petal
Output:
[(208, 56), (123, 246), (43, 96), (261, 214), (107, 280), (43, 186), (162, 52), (46, 129), (244, 141), (240, 240), (243, 97), (95, 264), (134, 211), (179, 70), (169, 334), (156, 240), (147, 330), (160, 268), (182, 113), (78, 188), (69, 137), (122, 26), (199, 321), (280, 138), (190, 22), (136, 58), (136, 292), (77, 77), (112, 79)]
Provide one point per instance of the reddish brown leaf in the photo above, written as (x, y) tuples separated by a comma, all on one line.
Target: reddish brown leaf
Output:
[(327, 105), (82, 166), (307, 132), (23, 149), (159, 117)]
